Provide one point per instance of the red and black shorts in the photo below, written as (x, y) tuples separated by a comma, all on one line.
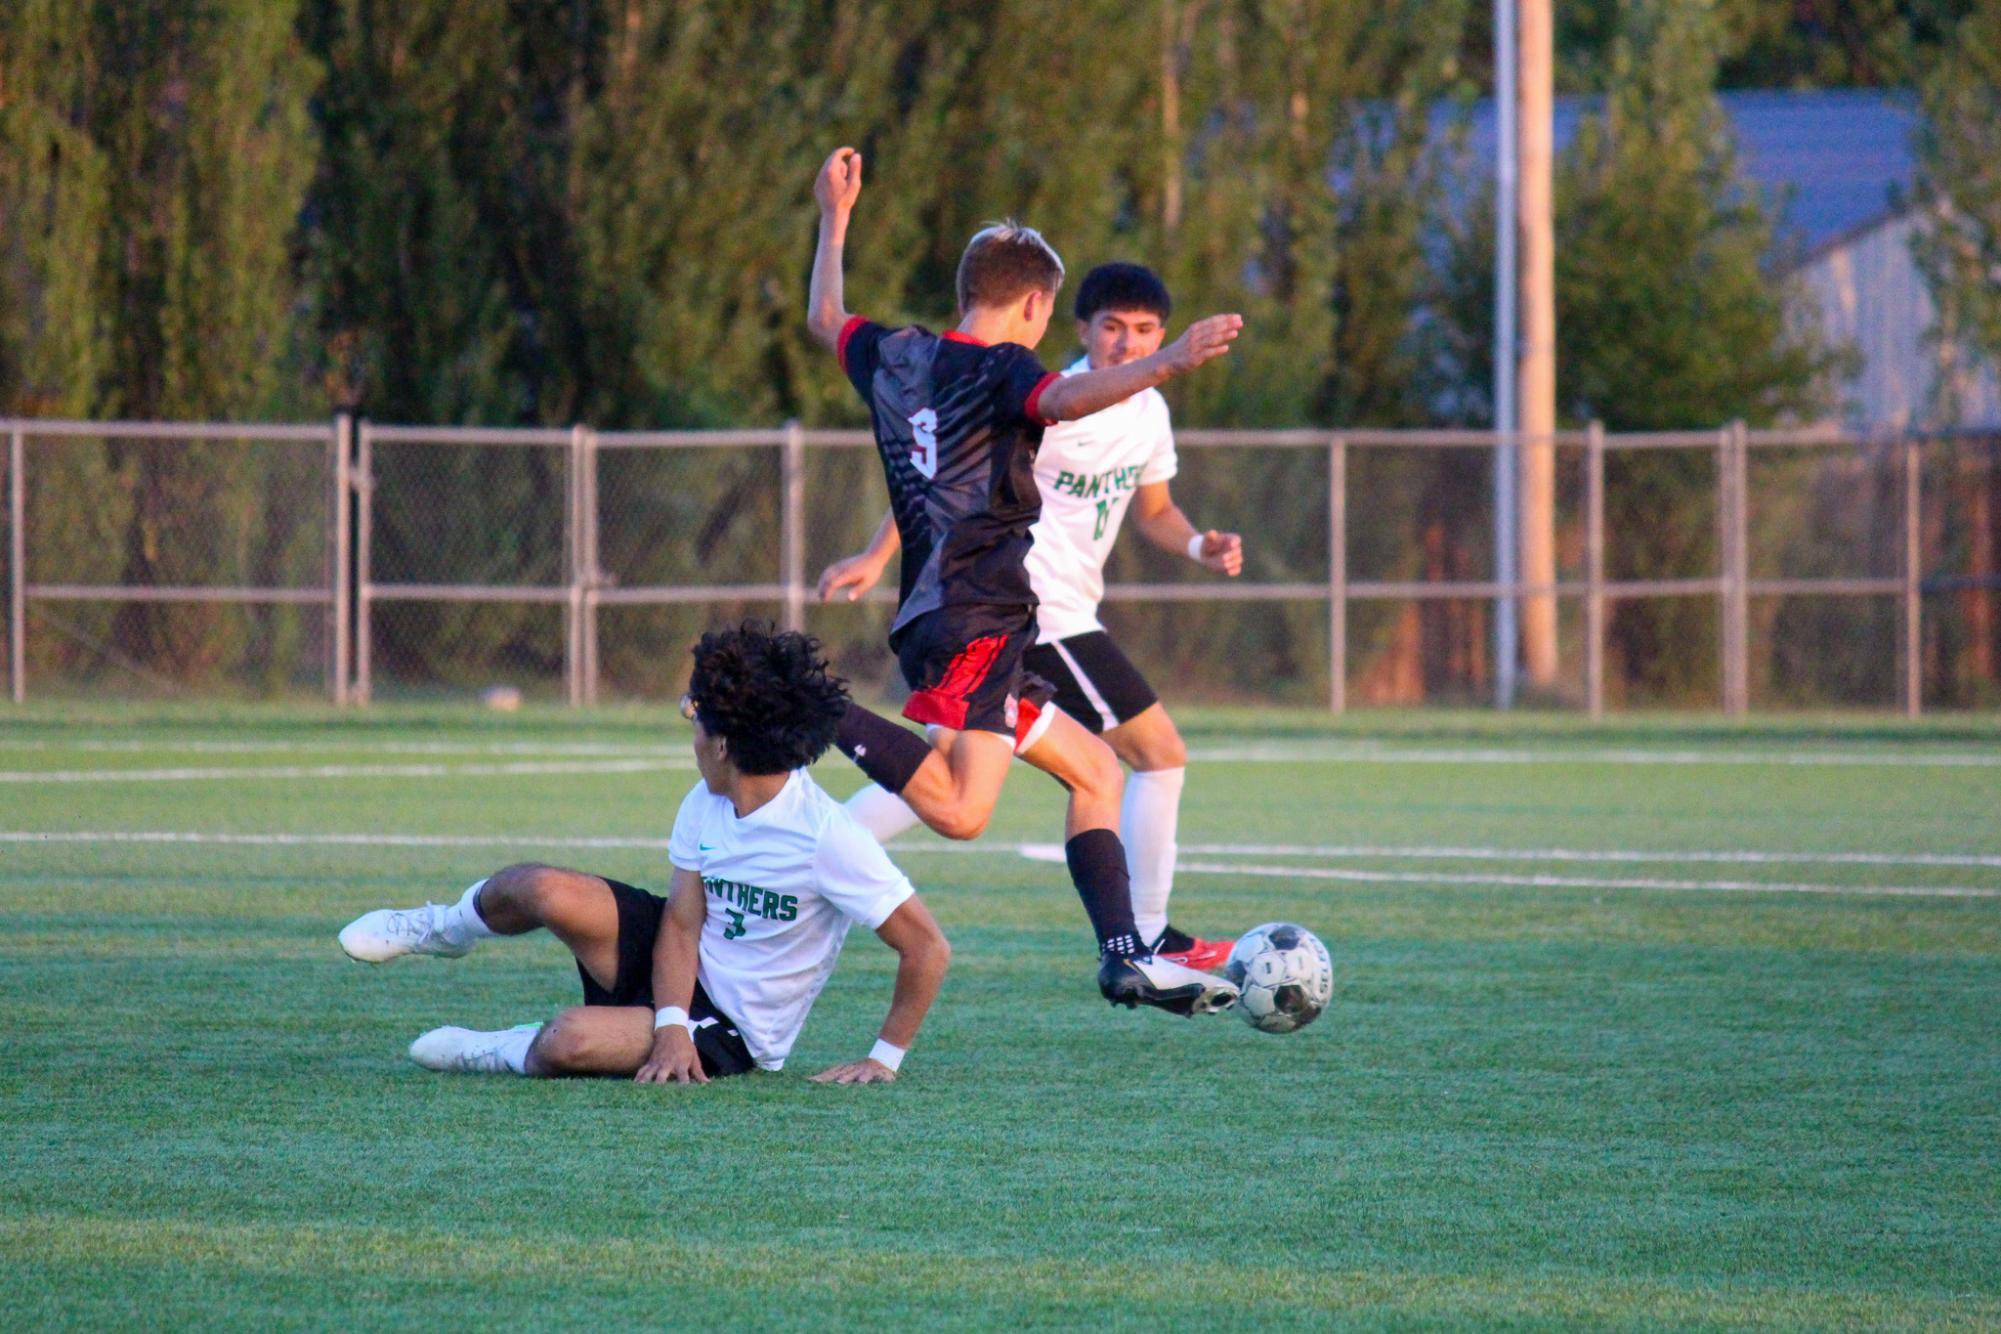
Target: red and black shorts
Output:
[(963, 664)]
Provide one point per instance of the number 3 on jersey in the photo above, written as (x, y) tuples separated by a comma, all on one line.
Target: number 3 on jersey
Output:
[(924, 430)]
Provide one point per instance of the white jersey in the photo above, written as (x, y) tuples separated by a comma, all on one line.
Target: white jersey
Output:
[(782, 885), (1087, 471)]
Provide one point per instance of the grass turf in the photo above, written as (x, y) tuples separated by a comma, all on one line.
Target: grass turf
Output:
[(1573, 1101)]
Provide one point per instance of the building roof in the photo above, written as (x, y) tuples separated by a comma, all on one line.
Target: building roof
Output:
[(1827, 162)]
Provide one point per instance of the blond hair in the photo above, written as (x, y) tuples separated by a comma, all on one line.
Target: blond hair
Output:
[(1004, 262)]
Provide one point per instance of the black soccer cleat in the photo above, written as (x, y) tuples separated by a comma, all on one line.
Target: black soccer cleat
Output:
[(1150, 980)]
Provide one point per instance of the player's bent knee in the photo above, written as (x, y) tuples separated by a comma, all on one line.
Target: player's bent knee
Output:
[(1149, 742), (1169, 752), (1098, 774), (564, 1046), (962, 823), (548, 893), (518, 881)]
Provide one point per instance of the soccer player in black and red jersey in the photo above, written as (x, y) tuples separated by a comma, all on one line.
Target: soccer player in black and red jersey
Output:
[(958, 418)]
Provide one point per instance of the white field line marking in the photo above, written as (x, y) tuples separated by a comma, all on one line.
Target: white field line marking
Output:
[(1597, 855), (1582, 882), (516, 769), (1039, 852), (1050, 852), (1053, 852), (356, 746), (1364, 754), (1306, 752), (336, 840)]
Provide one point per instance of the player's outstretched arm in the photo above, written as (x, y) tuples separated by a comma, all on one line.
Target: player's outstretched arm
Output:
[(923, 956), (1161, 522), (850, 578), (1080, 395), (836, 188), (675, 951)]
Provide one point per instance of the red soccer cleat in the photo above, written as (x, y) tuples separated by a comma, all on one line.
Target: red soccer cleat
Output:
[(1192, 951)]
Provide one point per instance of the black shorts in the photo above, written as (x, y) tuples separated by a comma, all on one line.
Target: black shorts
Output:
[(717, 1040), (963, 664), (1096, 683)]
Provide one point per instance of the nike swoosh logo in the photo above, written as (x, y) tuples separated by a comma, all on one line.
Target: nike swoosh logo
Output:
[(703, 847)]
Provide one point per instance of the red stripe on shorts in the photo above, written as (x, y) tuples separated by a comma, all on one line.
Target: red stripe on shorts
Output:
[(945, 704), (1026, 714)]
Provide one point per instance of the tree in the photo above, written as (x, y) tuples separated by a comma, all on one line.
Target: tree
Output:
[(154, 157), (1799, 44), (54, 197), (1667, 317), (1957, 245), (1959, 189)]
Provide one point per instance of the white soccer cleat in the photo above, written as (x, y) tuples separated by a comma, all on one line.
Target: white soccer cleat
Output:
[(1163, 984), (390, 933), (467, 1051)]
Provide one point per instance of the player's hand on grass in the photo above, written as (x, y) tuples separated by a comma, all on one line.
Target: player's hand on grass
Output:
[(840, 181), (847, 580), (674, 1059), (1203, 341), (868, 1070), (1223, 552)]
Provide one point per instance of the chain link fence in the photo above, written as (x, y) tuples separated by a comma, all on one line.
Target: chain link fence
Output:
[(1746, 569), (167, 559)]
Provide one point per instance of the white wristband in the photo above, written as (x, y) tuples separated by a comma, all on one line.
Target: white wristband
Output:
[(886, 1053), (1195, 547), (670, 1014)]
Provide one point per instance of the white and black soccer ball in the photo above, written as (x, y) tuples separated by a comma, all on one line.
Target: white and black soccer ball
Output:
[(1283, 974)]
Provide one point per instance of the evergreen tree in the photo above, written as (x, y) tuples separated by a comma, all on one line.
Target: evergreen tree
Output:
[(445, 256), (1959, 190), (54, 198), (1957, 245), (154, 156), (1666, 319)]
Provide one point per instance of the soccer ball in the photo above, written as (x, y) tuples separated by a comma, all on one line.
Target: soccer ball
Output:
[(1284, 975)]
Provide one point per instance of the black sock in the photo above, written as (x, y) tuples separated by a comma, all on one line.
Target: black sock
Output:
[(889, 754), (1174, 942), (1098, 866)]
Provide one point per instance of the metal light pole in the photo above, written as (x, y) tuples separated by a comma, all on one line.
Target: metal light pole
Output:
[(1507, 549), (1535, 361)]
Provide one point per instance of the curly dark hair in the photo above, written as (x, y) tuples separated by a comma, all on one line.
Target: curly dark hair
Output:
[(768, 694)]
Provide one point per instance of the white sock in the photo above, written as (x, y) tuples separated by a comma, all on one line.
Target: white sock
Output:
[(882, 812), (513, 1046), (465, 918), (1148, 819)]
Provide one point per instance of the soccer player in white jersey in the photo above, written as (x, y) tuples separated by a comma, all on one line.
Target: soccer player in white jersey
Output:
[(1091, 472), (769, 871)]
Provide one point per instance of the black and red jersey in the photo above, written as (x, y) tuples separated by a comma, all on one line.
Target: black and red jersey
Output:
[(957, 423)]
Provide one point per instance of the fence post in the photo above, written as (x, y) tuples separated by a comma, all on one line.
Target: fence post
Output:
[(17, 563), (340, 445), (792, 525), (364, 589), (1913, 603), (1741, 545), (1594, 569), (592, 577), (1732, 606), (573, 572), (1337, 575)]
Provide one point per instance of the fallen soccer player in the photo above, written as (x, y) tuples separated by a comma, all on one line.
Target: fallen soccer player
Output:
[(717, 978)]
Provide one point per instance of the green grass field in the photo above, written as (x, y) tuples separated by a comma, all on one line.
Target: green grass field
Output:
[(1681, 1086)]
